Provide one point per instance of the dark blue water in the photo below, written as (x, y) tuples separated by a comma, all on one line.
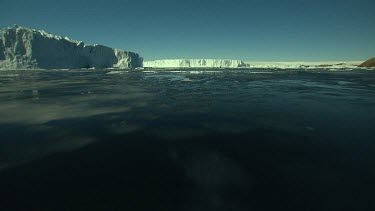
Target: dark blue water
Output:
[(187, 140)]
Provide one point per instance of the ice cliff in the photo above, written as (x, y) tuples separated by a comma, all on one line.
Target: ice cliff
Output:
[(21, 47), (188, 63)]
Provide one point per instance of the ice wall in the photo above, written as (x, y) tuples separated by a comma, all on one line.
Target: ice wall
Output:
[(188, 63), (21, 47)]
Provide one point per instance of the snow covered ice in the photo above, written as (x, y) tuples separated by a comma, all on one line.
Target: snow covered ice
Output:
[(23, 48), (189, 63)]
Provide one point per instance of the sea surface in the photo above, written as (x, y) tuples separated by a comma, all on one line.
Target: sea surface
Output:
[(187, 140)]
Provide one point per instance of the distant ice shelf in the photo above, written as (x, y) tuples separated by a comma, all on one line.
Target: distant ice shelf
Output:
[(194, 63), (225, 63), (333, 65)]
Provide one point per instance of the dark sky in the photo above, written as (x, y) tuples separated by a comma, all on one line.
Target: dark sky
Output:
[(252, 30)]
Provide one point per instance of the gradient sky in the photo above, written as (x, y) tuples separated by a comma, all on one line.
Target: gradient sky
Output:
[(251, 30)]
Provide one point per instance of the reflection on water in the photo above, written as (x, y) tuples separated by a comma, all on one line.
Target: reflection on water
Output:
[(187, 140)]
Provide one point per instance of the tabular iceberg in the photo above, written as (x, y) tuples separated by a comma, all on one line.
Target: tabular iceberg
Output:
[(23, 48), (189, 63)]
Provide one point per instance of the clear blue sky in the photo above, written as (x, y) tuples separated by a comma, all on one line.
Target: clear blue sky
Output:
[(252, 30)]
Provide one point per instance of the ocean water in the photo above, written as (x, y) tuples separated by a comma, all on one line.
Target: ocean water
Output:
[(187, 140)]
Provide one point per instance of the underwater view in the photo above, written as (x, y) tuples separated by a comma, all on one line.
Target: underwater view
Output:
[(188, 139)]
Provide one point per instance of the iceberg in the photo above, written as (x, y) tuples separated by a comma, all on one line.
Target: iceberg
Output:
[(194, 63), (24, 48)]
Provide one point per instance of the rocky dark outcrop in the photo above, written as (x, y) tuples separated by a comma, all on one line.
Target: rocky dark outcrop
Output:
[(368, 63)]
